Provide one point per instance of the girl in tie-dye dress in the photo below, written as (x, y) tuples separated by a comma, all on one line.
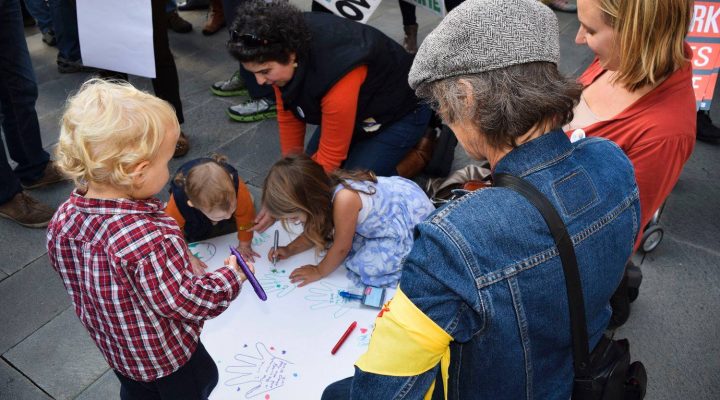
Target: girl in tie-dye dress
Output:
[(363, 221)]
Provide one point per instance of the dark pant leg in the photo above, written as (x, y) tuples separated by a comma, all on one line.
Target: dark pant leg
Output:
[(166, 84), (382, 152), (40, 11), (64, 16), (193, 381), (135, 390), (407, 11), (317, 7), (18, 93), (229, 8), (9, 183), (450, 4)]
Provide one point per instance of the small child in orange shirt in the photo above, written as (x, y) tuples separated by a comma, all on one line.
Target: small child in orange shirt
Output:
[(208, 199)]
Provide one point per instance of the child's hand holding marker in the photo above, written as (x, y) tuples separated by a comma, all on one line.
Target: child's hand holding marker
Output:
[(282, 253), (232, 262)]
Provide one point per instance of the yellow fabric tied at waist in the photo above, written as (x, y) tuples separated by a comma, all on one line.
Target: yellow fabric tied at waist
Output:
[(406, 342)]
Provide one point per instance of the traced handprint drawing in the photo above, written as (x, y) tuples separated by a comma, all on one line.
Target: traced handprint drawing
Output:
[(257, 374), (325, 295), (260, 237), (204, 251), (277, 281)]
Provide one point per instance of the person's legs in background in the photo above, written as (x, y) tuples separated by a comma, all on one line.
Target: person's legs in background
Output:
[(215, 18), (64, 17), (382, 152), (40, 10), (410, 26), (166, 84), (261, 104), (174, 20), (20, 127)]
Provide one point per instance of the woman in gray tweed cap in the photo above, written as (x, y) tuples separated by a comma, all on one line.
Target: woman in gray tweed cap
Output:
[(481, 310)]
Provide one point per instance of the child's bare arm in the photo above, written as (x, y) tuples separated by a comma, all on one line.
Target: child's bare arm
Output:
[(346, 209)]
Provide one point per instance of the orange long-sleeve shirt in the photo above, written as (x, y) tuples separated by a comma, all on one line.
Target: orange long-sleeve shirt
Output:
[(339, 110), (244, 213)]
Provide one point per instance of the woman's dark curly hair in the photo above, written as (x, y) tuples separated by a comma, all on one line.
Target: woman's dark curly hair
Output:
[(275, 30)]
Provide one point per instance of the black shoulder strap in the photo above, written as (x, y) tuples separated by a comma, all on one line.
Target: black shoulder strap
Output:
[(563, 241)]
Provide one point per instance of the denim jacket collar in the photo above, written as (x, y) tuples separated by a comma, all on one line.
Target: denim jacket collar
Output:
[(536, 154)]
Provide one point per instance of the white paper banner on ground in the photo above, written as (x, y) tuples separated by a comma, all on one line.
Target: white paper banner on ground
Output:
[(704, 39), (280, 349), (356, 10), (117, 36)]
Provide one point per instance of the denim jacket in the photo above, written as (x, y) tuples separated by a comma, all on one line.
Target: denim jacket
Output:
[(485, 270)]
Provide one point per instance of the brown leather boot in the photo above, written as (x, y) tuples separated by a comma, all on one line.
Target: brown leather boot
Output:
[(182, 146), (27, 211), (215, 18), (410, 40), (418, 157), (50, 175)]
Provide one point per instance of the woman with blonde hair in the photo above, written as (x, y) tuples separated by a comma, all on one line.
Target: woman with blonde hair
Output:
[(638, 90)]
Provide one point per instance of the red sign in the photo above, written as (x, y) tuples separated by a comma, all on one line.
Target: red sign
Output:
[(704, 38)]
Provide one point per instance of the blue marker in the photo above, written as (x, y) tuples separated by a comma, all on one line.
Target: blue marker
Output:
[(350, 296)]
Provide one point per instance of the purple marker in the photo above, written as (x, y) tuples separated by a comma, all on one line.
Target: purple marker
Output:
[(248, 273)]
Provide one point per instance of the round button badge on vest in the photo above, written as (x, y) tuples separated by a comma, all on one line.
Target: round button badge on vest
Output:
[(577, 135)]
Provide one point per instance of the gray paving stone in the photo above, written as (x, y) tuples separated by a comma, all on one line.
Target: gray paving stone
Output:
[(696, 198), (255, 149), (14, 386), (674, 323), (19, 246), (30, 299), (60, 357), (106, 387), (209, 128)]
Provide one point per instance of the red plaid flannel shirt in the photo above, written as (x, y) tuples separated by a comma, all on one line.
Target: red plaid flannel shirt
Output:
[(125, 265)]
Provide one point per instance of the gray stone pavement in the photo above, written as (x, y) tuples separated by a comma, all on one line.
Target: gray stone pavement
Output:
[(46, 354)]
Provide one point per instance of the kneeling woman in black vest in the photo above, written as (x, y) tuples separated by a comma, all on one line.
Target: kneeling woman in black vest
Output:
[(346, 77)]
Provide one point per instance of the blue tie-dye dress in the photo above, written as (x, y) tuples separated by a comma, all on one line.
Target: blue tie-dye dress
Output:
[(385, 236)]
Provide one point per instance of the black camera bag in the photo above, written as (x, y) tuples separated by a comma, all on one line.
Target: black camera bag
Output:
[(606, 373)]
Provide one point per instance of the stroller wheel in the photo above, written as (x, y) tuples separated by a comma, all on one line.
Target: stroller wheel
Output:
[(651, 238)]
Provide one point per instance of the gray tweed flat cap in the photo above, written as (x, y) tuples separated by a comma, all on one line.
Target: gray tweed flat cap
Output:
[(482, 35)]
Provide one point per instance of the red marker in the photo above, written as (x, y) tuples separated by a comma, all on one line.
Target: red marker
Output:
[(344, 337)]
